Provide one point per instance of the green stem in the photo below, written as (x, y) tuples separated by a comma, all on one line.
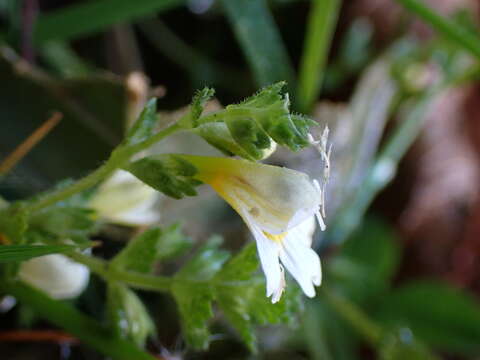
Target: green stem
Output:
[(455, 32), (118, 158), (76, 323), (355, 316), (320, 28), (134, 279)]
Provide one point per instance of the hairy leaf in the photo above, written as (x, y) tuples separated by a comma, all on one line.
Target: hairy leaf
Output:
[(155, 244), (145, 124), (169, 174)]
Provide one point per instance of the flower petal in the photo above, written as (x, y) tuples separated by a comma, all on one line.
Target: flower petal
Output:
[(268, 251), (301, 261), (276, 198)]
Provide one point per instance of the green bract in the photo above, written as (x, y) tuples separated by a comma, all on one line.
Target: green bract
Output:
[(267, 113), (169, 174), (255, 125)]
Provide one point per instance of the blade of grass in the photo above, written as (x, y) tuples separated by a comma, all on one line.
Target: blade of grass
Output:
[(455, 32), (260, 40), (14, 253), (382, 171), (76, 323), (95, 15), (321, 24), (189, 58)]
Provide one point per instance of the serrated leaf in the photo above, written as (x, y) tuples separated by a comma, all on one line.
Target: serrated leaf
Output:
[(241, 267), (195, 307), (16, 253), (196, 107), (128, 315), (206, 263), (266, 115), (241, 296), (153, 245), (194, 292), (437, 314), (145, 124), (140, 253), (169, 174)]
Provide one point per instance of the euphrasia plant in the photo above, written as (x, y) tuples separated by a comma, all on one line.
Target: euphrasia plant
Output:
[(278, 205)]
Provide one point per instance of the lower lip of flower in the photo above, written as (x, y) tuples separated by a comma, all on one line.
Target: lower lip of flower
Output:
[(278, 238)]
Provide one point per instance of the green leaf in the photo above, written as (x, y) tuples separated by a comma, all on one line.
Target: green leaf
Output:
[(153, 245), (93, 16), (196, 108), (241, 296), (194, 293), (218, 135), (169, 174), (63, 222), (437, 314), (206, 263), (16, 253), (145, 124), (195, 307), (172, 243), (260, 40), (266, 114), (128, 315)]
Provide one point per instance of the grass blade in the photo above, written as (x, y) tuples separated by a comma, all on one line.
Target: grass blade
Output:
[(321, 24), (14, 253), (454, 32), (95, 15), (260, 40)]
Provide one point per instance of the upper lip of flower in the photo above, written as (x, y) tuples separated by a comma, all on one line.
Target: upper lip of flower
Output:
[(276, 198)]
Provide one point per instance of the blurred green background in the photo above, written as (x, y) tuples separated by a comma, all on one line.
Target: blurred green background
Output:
[(397, 83)]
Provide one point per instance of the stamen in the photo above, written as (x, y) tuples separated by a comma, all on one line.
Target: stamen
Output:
[(320, 221)]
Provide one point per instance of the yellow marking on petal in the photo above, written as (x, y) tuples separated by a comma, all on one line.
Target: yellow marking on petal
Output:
[(275, 237)]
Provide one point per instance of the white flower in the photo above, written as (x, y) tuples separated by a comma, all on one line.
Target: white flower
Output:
[(278, 205), (55, 274), (123, 199)]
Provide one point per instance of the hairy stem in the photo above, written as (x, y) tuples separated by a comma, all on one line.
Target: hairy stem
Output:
[(118, 158)]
